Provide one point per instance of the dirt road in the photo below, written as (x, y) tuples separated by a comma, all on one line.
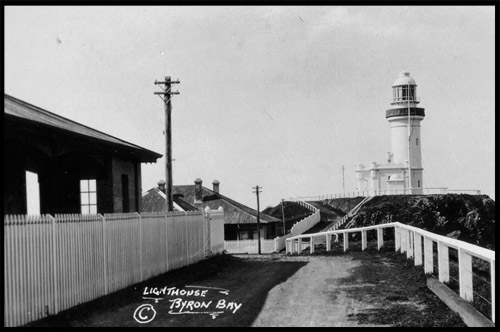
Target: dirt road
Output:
[(336, 290), (314, 296)]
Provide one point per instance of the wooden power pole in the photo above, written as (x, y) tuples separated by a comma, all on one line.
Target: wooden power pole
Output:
[(283, 213), (166, 93), (257, 191)]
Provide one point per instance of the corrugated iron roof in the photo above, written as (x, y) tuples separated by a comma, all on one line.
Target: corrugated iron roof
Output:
[(22, 110), (209, 195), (154, 201)]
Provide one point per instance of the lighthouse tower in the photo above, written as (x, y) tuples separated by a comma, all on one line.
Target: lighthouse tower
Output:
[(404, 117), (401, 173)]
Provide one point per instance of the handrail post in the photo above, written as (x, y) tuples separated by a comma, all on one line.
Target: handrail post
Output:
[(403, 240), (443, 263), (311, 246), (380, 237), (417, 249), (363, 240), (428, 256), (299, 245), (397, 238), (346, 241), (328, 242), (492, 272), (465, 275), (409, 252)]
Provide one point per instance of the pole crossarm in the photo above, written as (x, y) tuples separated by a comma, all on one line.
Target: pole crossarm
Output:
[(167, 93)]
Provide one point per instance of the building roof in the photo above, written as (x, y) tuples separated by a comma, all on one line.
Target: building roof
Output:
[(154, 201), (404, 78), (188, 194), (23, 111)]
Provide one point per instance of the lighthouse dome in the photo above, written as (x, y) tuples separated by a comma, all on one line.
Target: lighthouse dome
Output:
[(404, 78)]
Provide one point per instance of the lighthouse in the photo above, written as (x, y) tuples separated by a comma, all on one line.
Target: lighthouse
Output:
[(404, 117), (402, 173)]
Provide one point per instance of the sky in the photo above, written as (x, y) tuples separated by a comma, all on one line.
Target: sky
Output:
[(280, 97)]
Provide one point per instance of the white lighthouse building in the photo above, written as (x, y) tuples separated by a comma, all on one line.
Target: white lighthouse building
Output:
[(402, 171)]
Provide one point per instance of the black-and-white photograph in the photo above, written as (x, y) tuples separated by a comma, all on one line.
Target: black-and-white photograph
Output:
[(249, 166)]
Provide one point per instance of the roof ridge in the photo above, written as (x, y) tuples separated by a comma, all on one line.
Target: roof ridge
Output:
[(238, 203)]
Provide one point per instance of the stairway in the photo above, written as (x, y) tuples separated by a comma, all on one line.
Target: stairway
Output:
[(329, 216), (348, 217)]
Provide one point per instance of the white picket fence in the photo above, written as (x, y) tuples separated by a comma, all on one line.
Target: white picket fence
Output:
[(278, 243), (299, 227), (418, 245), (250, 246), (54, 263)]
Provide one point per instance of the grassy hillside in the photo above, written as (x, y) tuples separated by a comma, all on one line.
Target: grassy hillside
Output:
[(469, 218), (344, 204), (294, 212)]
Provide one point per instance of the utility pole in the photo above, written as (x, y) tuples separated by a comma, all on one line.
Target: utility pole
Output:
[(166, 93), (257, 191), (343, 183), (283, 213), (409, 141)]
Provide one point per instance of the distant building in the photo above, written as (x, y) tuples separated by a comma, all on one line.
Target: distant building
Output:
[(240, 221), (393, 176), (79, 169), (154, 200)]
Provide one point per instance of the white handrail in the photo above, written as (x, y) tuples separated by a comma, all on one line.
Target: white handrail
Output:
[(350, 213), (409, 239), (395, 191), (299, 227)]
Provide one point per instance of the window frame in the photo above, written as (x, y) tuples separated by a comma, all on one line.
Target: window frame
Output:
[(89, 206)]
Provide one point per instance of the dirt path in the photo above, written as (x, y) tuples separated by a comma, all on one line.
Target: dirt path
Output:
[(313, 297), (335, 289)]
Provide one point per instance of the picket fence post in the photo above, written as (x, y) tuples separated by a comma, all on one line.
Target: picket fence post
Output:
[(54, 259), (105, 255), (187, 238), (166, 241), (140, 243)]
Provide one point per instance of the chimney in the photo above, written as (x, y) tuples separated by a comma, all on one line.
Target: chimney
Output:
[(215, 184), (161, 185), (197, 191)]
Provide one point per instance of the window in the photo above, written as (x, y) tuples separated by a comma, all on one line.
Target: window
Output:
[(32, 193), (88, 196), (125, 197), (418, 183), (412, 93), (417, 140), (405, 93)]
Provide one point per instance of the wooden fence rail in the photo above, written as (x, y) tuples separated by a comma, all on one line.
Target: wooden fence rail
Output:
[(417, 244)]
